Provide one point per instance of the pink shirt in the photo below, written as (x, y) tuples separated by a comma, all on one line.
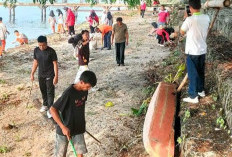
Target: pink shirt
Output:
[(143, 6), (163, 16)]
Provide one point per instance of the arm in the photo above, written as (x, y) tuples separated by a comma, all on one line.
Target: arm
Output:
[(34, 67), (55, 80), (112, 37), (182, 32), (102, 39), (56, 117), (127, 37)]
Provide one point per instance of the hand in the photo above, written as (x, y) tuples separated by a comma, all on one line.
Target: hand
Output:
[(66, 132), (32, 77), (112, 42), (55, 80), (127, 43)]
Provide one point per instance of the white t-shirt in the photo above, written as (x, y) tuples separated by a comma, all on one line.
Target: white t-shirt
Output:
[(196, 27), (3, 31)]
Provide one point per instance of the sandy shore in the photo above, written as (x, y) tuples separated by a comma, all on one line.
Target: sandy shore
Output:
[(118, 131)]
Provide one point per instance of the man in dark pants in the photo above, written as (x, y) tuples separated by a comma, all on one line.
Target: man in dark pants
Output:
[(46, 59), (120, 32), (196, 28)]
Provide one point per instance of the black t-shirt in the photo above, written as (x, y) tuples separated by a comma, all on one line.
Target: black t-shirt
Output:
[(45, 61), (71, 106)]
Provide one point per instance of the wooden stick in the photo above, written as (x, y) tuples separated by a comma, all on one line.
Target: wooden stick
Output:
[(186, 76)]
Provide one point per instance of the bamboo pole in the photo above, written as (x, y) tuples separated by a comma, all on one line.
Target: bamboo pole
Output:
[(13, 15), (10, 15)]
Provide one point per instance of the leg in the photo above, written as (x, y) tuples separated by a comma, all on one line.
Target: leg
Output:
[(3, 45), (105, 40), (73, 31), (91, 29), (159, 39), (50, 91), (122, 51), (61, 146), (117, 47), (0, 47), (201, 73), (69, 30), (192, 75), (43, 89), (79, 144), (109, 40)]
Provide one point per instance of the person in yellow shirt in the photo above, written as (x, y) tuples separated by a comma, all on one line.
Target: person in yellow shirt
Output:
[(106, 32)]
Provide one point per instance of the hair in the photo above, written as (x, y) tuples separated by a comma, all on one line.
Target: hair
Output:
[(89, 77), (52, 13), (96, 29), (92, 14), (84, 31), (59, 12), (16, 31), (65, 8), (195, 4), (0, 18), (42, 39), (119, 19)]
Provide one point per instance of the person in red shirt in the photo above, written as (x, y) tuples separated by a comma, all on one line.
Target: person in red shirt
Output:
[(70, 21), (163, 16), (93, 21), (155, 3), (106, 32), (143, 8), (162, 35)]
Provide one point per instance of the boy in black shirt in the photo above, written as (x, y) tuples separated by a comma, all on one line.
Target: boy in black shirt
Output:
[(69, 113), (46, 59)]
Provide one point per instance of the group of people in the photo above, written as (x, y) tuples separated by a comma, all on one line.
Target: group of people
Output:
[(68, 110), (65, 22)]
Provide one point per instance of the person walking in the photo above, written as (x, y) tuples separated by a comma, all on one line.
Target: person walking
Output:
[(3, 36), (80, 43), (93, 21), (121, 36), (196, 28), (143, 8), (52, 21), (70, 21), (106, 32), (69, 114), (46, 59), (60, 28)]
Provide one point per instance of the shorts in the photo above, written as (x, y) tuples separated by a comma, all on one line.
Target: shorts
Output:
[(62, 145)]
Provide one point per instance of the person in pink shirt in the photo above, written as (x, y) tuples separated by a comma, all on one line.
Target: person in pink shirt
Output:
[(163, 16), (143, 8), (93, 21), (162, 35), (70, 21)]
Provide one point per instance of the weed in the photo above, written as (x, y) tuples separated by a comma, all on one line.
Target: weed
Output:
[(181, 139), (142, 109), (20, 88), (149, 90), (180, 71), (27, 154), (5, 97), (4, 149), (221, 122), (18, 138), (2, 81), (187, 115)]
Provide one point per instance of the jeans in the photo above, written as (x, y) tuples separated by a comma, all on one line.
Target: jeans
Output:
[(196, 74), (92, 29), (107, 38), (47, 90), (120, 50)]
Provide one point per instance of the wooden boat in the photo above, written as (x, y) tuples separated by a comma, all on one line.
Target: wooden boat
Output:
[(158, 131)]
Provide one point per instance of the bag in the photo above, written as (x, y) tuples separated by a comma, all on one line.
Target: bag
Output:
[(95, 24), (77, 50)]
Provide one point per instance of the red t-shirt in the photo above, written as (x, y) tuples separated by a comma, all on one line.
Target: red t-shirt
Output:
[(163, 15)]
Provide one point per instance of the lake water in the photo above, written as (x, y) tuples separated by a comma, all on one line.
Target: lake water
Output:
[(28, 21)]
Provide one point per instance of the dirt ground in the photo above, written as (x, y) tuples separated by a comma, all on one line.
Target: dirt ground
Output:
[(30, 134)]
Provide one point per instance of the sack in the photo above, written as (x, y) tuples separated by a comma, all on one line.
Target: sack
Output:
[(95, 24), (77, 50)]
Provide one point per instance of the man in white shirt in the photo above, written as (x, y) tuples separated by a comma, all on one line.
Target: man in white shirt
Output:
[(3, 32), (196, 28)]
